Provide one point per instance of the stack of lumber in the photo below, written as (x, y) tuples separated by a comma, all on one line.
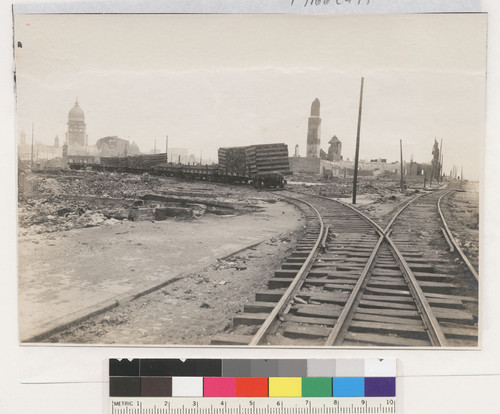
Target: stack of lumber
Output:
[(232, 160), (268, 158), (254, 159), (146, 161), (114, 162)]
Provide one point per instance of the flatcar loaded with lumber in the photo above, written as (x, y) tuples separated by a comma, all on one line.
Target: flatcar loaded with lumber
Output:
[(263, 165)]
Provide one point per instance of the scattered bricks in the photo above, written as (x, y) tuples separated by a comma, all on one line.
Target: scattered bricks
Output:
[(163, 213), (141, 214)]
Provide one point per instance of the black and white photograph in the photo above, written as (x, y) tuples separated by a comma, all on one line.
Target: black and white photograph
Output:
[(250, 180)]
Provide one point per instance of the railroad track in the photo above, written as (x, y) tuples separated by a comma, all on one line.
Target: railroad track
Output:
[(351, 282)]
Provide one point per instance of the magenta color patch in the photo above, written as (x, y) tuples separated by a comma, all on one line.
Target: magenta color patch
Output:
[(219, 387)]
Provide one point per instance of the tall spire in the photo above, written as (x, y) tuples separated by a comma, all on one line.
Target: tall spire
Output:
[(314, 131)]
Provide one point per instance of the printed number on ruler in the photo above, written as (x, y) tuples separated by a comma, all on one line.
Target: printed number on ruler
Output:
[(347, 405)]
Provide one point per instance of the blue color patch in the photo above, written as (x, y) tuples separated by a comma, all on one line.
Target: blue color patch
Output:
[(348, 386)]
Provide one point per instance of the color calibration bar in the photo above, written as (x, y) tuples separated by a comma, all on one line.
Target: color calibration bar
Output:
[(272, 378)]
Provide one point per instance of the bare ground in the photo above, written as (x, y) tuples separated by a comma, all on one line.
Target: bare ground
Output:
[(461, 210), (202, 303), (192, 310)]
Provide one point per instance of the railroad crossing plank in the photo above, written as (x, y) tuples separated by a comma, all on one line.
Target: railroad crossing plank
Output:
[(385, 305), (453, 315), (461, 332), (332, 274), (389, 291), (285, 273), (386, 319), (445, 296), (390, 312), (376, 339), (270, 295), (259, 307), (391, 298), (250, 318), (432, 276), (380, 327), (227, 339), (311, 332), (445, 303), (334, 286), (396, 284), (318, 311), (310, 320), (278, 282), (339, 298)]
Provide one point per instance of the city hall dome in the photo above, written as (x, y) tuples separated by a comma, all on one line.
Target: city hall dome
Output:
[(76, 113)]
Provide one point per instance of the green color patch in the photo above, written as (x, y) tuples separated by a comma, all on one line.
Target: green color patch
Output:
[(316, 387)]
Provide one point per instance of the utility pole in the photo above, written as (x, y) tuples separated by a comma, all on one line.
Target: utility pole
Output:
[(32, 141), (461, 173), (401, 151), (154, 150), (201, 157), (166, 146), (440, 165), (356, 157)]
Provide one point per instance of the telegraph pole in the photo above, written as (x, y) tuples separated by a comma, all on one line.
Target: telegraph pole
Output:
[(440, 165), (401, 151), (32, 142), (356, 157)]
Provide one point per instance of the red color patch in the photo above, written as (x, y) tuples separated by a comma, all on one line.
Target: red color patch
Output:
[(251, 387)]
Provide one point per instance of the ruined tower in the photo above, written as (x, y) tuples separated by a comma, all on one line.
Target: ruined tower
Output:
[(335, 149), (314, 131), (76, 136)]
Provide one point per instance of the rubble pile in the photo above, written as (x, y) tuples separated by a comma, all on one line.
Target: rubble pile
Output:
[(58, 201)]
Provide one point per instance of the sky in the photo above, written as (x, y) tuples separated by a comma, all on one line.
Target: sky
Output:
[(209, 81)]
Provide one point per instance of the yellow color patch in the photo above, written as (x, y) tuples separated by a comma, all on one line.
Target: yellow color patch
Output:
[(285, 387)]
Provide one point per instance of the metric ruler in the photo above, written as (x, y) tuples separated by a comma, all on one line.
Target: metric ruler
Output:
[(252, 386), (344, 405)]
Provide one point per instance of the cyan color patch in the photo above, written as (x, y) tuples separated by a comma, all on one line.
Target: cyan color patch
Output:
[(348, 387)]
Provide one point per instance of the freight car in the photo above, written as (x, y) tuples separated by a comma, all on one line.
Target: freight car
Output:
[(79, 162), (263, 165)]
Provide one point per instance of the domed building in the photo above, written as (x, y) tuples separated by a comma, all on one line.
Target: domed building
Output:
[(76, 136), (133, 149)]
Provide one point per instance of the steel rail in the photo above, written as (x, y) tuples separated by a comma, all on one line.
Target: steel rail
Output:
[(435, 332), (345, 317), (378, 229), (341, 326), (454, 242), (294, 286)]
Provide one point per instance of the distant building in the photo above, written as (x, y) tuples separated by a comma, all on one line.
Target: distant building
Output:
[(56, 141), (76, 137), (178, 155), (335, 149), (112, 147), (133, 149), (41, 152)]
